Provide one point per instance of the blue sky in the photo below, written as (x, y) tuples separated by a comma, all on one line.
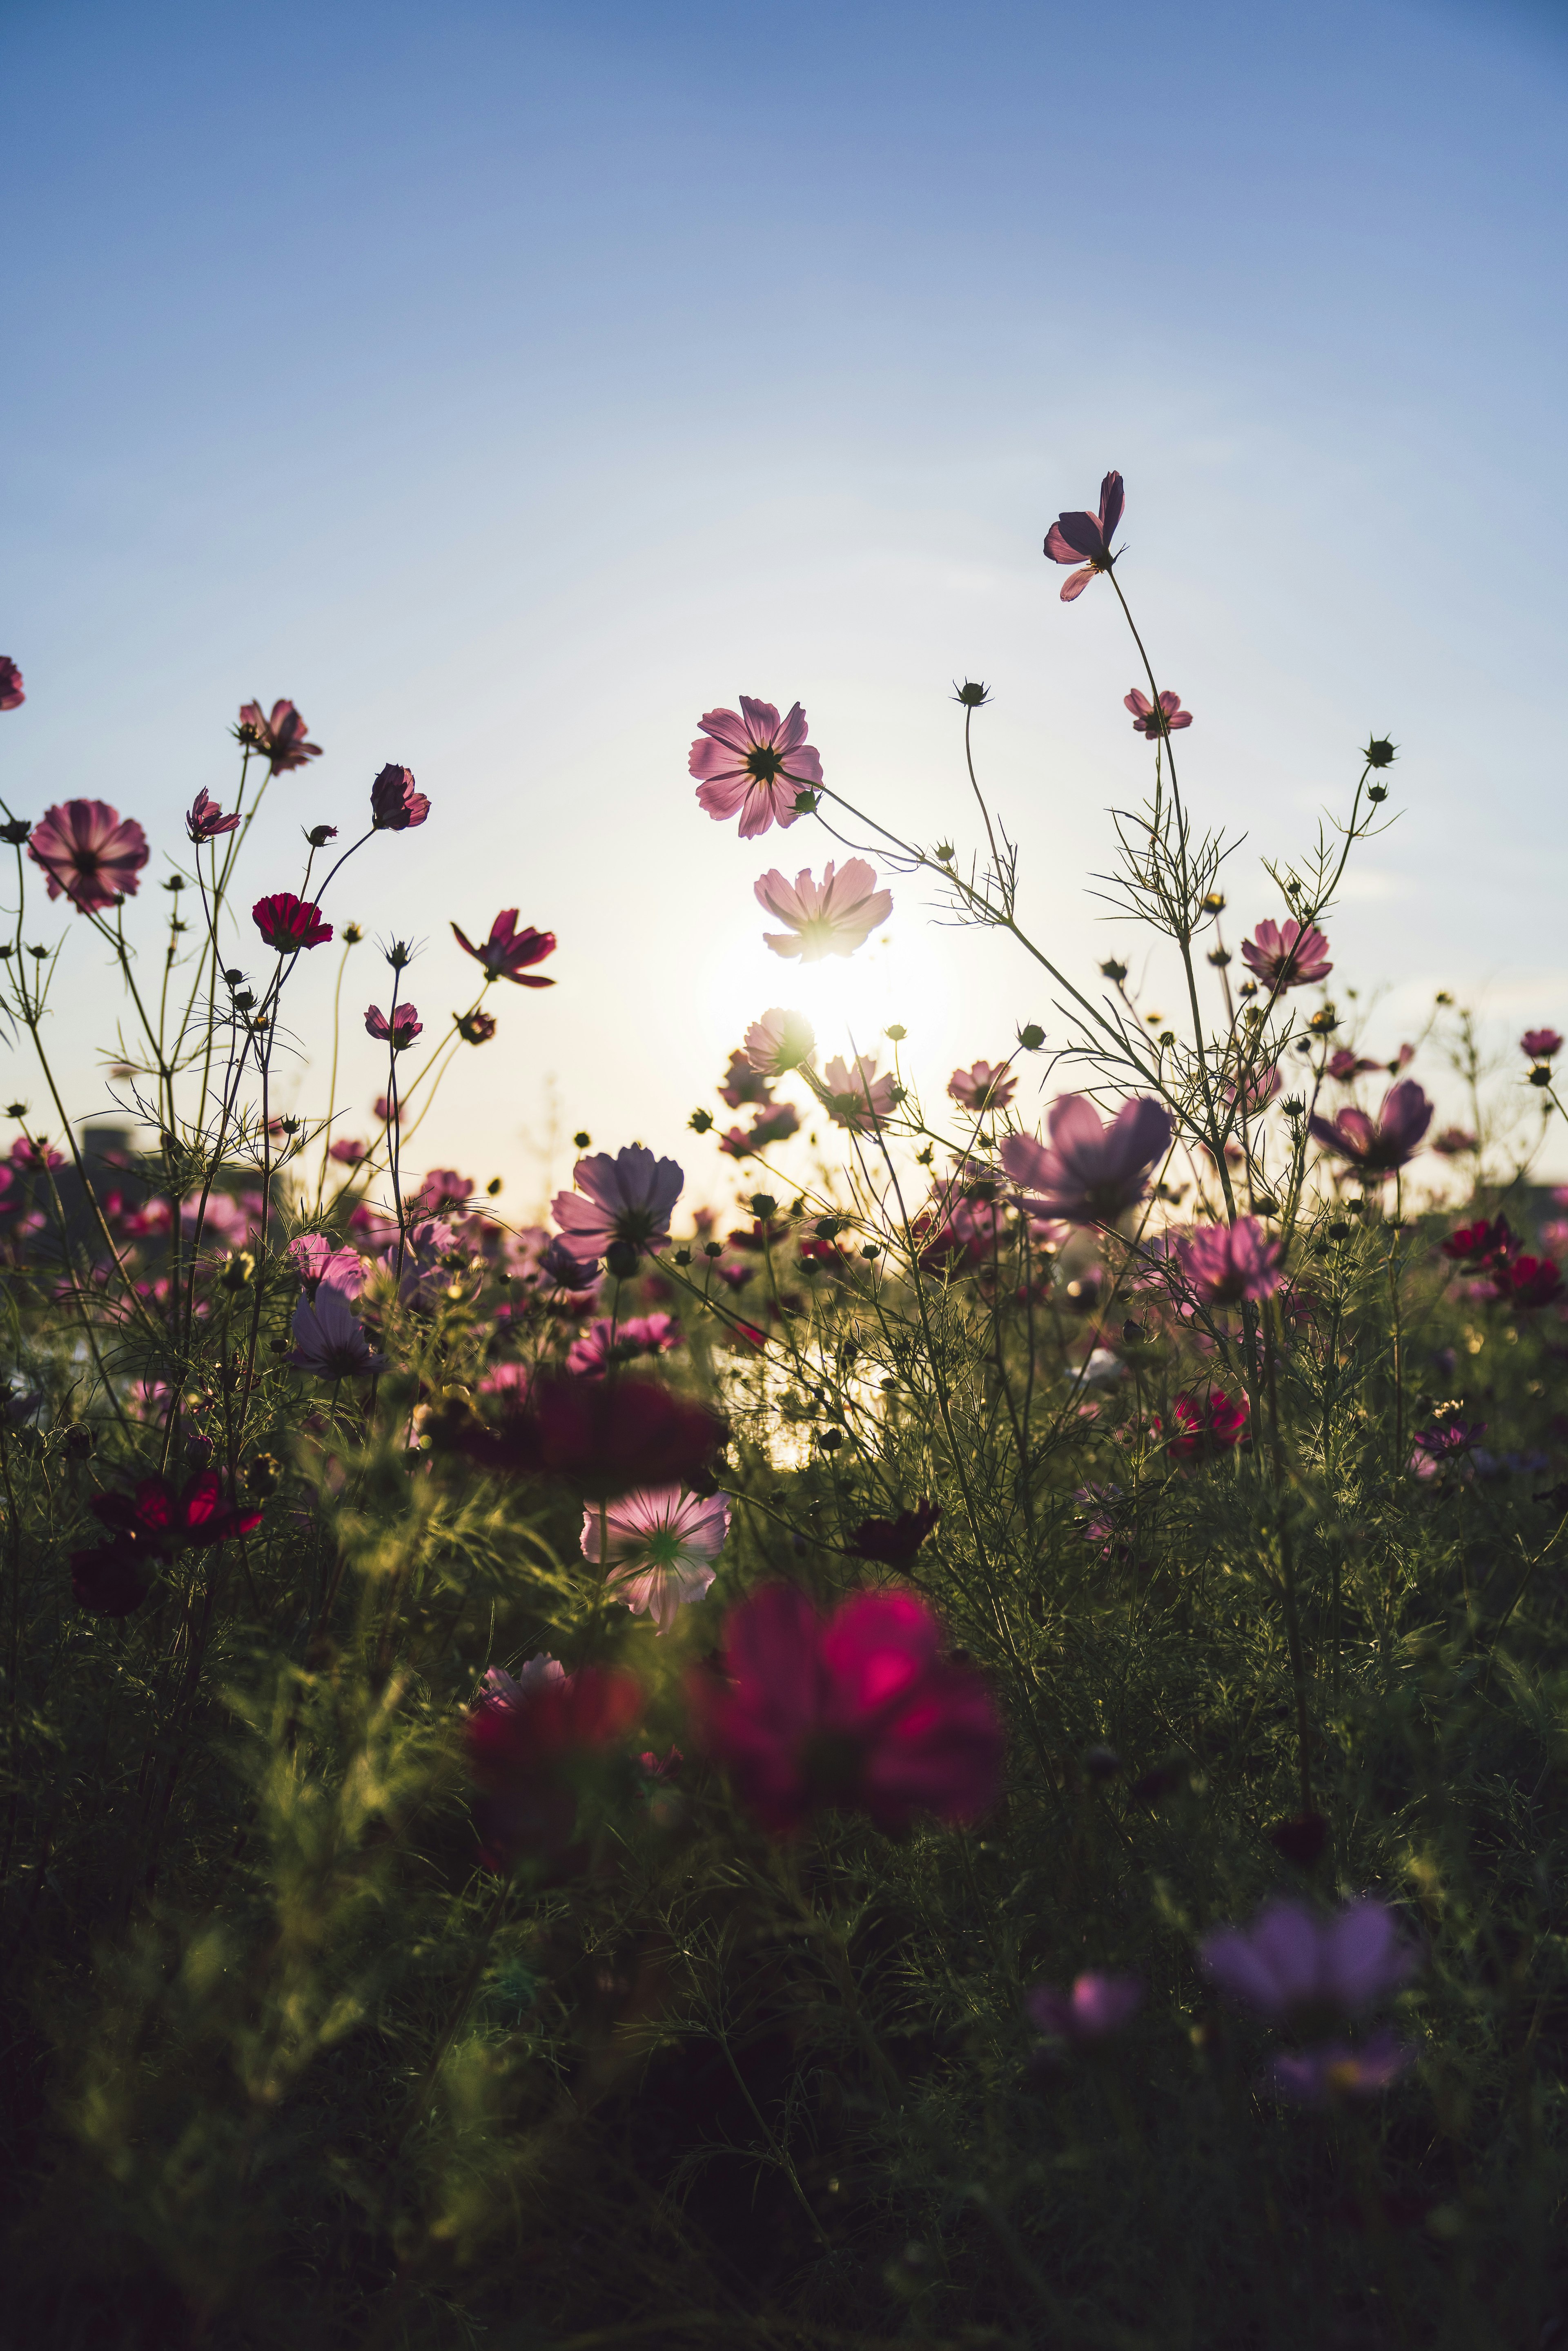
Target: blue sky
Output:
[(508, 385)]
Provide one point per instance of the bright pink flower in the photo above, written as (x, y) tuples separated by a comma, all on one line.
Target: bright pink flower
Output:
[(11, 695), (165, 1518), (858, 1709), (605, 1343), (1091, 1173), (1376, 1146), (1294, 1963), (527, 1741), (1528, 1283), (26, 1152), (604, 1437), (508, 1379), (405, 1026), (288, 924), (756, 763), (1206, 1426), (347, 1153), (395, 805), (280, 738), (982, 1088), (858, 1098), (629, 1199), (330, 1341), (832, 916), (1085, 538), (1293, 956), (1145, 721), (507, 953), (780, 1041), (1540, 1044), (206, 820), (1482, 1243), (1334, 2070), (1226, 1263), (661, 1543), (318, 1258), (1096, 2006), (1446, 1441), (90, 853)]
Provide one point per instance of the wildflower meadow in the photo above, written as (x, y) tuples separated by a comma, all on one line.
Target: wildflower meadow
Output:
[(936, 1726)]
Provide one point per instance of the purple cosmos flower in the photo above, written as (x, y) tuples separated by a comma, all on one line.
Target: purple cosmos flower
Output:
[(566, 1271), (780, 1041), (288, 924), (1334, 2070), (279, 738), (858, 1098), (1446, 1442), (11, 695), (1540, 1044), (90, 853), (981, 1087), (1166, 720), (395, 805), (1376, 1146), (661, 1543), (507, 953), (317, 1258), (206, 820), (1095, 2006), (1225, 1264), (405, 1026), (755, 763), (630, 1199), (330, 1341), (1294, 957), (1292, 1962), (1090, 1174), (832, 916), (1085, 538)]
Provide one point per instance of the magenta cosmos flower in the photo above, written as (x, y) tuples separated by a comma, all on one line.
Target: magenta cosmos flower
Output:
[(395, 805), (630, 1199), (980, 1087), (780, 1041), (1226, 1263), (507, 953), (90, 853), (605, 1343), (661, 1543), (1376, 1146), (1293, 1963), (205, 819), (1154, 722), (832, 916), (330, 1341), (857, 1098), (1085, 538), (1540, 1044), (400, 1031), (1089, 1173), (1294, 957), (11, 695), (756, 763), (1095, 2006), (318, 1259), (858, 1709), (279, 737), (288, 924)]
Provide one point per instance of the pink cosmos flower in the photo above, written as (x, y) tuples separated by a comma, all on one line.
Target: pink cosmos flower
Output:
[(395, 804), (442, 1188), (205, 819), (858, 1098), (780, 1041), (317, 1258), (743, 1085), (90, 853), (507, 953), (1096, 2006), (1255, 1094), (832, 916), (502, 1688), (159, 1517), (1146, 721), (1453, 1142), (858, 1709), (630, 1199), (1091, 1173), (347, 1153), (756, 763), (775, 1124), (11, 695), (288, 924), (1293, 956), (529, 1739), (661, 1543), (605, 1343), (1540, 1044), (1206, 1426), (405, 1026), (1334, 2070), (1346, 1065), (1085, 538), (280, 738), (330, 1341), (1376, 1146), (1226, 1263), (1294, 1963), (981, 1087)]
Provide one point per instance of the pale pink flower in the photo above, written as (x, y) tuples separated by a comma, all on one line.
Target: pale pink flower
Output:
[(754, 763), (90, 853), (1146, 721), (832, 916), (857, 1098), (982, 1088), (1090, 1173), (1095, 2006), (660, 1542), (330, 1341), (502, 1688), (318, 1258), (1294, 957), (1226, 1263), (780, 1041), (629, 1199)]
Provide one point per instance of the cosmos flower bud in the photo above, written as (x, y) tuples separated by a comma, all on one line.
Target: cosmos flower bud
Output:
[(1379, 752), (971, 693)]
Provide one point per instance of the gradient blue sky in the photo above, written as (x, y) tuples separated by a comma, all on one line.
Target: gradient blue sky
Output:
[(507, 385)]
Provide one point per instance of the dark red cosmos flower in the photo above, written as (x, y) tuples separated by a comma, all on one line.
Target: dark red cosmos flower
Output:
[(110, 1581), (1482, 1243), (1528, 1283), (395, 805), (1147, 721), (400, 1033), (11, 695), (894, 1542), (288, 924), (1085, 538), (508, 952), (279, 738), (165, 1518), (206, 820), (1206, 1426), (528, 1750), (858, 1709), (476, 1027), (603, 1437)]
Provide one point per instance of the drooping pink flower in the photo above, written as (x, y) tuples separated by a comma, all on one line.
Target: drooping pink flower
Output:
[(330, 1341), (528, 1739), (857, 1098), (288, 924), (405, 1026), (1206, 1426), (1166, 720), (1376, 1146), (1294, 1964), (605, 1343), (1085, 538), (318, 1258), (982, 1088), (507, 953), (780, 1041), (205, 821), (90, 853), (1292, 956), (1540, 1044), (661, 1543), (1094, 2007), (1226, 1263), (832, 916), (1090, 1173), (754, 762), (279, 738), (11, 695), (395, 804), (629, 1199), (858, 1709), (1334, 2070)]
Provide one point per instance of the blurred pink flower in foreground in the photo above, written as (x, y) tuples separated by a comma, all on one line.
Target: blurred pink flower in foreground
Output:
[(330, 1341), (405, 1026), (279, 738), (317, 1258), (1225, 1264), (1091, 1173), (1085, 538), (1335, 2070), (90, 853), (756, 763), (205, 819), (288, 923), (859, 1709), (858, 1098), (507, 953), (1145, 721), (661, 1543), (629, 1198), (395, 804), (1292, 1962), (780, 1041), (605, 1343), (1540, 1044), (530, 1738), (11, 695), (980, 1087), (1376, 1146), (1293, 956), (1095, 2006), (832, 916)]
